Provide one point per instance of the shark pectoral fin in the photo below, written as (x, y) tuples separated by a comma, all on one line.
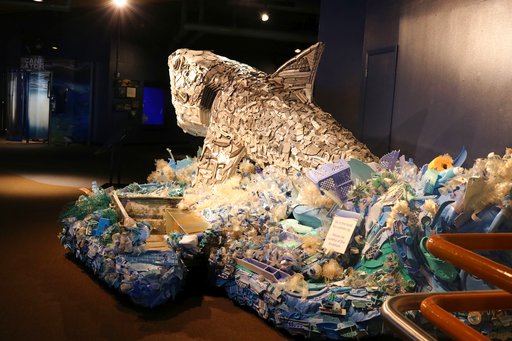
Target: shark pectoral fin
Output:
[(219, 160), (298, 74)]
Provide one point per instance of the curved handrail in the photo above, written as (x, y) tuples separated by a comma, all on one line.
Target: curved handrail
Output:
[(392, 312), (393, 308), (436, 307), (454, 248)]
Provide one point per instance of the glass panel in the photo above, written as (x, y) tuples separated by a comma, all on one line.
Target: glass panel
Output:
[(38, 105), (14, 117)]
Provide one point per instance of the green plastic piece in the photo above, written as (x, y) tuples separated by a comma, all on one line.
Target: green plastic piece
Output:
[(408, 283), (443, 270), (87, 204), (372, 265)]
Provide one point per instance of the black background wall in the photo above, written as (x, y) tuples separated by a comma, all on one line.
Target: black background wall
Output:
[(452, 84), (149, 32), (339, 78), (453, 80)]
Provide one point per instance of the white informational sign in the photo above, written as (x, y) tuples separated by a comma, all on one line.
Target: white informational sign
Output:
[(341, 231)]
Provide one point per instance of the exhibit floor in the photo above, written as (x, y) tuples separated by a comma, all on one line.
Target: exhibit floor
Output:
[(46, 295)]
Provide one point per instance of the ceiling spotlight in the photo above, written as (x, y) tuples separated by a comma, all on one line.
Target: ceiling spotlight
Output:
[(55, 48), (297, 50), (264, 16), (120, 3)]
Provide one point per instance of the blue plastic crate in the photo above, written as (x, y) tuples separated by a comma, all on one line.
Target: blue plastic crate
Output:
[(333, 177)]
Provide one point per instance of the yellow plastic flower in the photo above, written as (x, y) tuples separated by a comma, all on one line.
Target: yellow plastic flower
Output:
[(441, 163)]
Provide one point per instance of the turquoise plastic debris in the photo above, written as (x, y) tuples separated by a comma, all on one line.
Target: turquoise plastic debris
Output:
[(187, 161), (360, 170), (430, 178), (307, 215)]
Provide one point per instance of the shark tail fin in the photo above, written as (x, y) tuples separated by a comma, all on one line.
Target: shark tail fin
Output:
[(298, 74)]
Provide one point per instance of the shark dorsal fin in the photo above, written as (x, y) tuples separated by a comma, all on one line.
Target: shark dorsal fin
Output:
[(298, 74)]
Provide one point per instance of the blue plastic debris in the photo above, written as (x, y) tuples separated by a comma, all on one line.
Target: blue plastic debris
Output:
[(103, 223), (269, 263), (333, 177)]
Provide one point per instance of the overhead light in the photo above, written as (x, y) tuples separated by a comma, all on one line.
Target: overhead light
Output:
[(55, 48), (120, 3), (297, 50), (38, 0), (264, 16)]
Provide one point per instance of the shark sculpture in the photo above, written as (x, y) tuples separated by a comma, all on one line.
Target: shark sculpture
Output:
[(244, 112)]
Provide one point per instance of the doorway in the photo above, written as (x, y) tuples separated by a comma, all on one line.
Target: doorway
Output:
[(379, 94)]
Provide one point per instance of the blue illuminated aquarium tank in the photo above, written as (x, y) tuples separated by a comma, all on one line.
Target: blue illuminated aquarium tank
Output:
[(153, 106)]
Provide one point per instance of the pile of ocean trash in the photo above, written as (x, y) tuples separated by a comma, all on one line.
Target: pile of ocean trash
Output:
[(316, 260)]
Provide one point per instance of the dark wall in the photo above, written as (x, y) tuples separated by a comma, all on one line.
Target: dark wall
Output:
[(339, 78), (147, 65), (90, 35), (149, 32), (79, 36), (140, 49), (381, 24), (454, 81)]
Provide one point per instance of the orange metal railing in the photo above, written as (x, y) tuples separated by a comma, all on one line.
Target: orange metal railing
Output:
[(437, 308), (393, 312), (455, 248)]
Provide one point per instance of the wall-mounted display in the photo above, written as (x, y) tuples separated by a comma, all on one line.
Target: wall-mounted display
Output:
[(126, 96)]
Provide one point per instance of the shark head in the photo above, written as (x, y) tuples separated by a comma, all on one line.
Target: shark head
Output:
[(191, 90), (197, 77)]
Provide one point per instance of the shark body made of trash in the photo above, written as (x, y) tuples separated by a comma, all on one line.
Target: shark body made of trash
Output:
[(242, 111)]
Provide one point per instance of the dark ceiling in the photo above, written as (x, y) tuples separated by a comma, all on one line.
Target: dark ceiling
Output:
[(229, 27), (221, 25), (30, 5), (293, 21)]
